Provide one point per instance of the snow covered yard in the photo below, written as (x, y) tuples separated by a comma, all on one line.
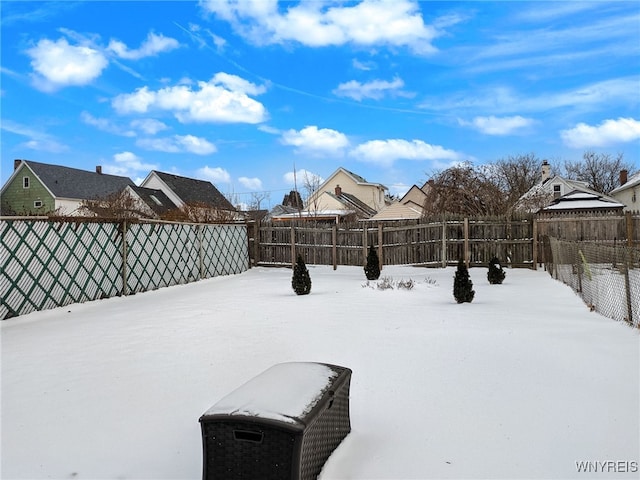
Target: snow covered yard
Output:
[(522, 383)]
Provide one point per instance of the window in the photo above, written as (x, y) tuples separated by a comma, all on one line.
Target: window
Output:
[(155, 199), (25, 182), (556, 191), (37, 204)]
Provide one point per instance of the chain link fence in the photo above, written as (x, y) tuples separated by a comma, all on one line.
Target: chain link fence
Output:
[(607, 277), (48, 263)]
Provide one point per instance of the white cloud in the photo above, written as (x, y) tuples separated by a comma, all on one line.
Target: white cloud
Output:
[(214, 175), (364, 66), (127, 164), (223, 99), (385, 152), (502, 99), (106, 125), (609, 132), (153, 45), (314, 140), (317, 24), (375, 89), (302, 177), (149, 126), (58, 64), (37, 140), (178, 144), (251, 183), (499, 125)]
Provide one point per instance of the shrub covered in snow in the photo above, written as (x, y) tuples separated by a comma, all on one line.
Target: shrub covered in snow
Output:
[(462, 284), (496, 274), (301, 281), (372, 268)]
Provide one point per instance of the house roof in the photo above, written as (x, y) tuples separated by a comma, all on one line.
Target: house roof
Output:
[(579, 200), (67, 182), (156, 200), (351, 202), (399, 211), (191, 190), (632, 182)]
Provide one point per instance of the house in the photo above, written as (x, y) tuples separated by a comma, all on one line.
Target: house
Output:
[(152, 203), (548, 189), (343, 197), (582, 203), (409, 207), (628, 192), (36, 188), (341, 187), (184, 191)]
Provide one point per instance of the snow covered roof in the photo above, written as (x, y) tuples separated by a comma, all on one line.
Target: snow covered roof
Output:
[(632, 182), (580, 200)]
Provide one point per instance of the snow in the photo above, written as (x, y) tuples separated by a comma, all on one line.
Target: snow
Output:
[(522, 383), (284, 392)]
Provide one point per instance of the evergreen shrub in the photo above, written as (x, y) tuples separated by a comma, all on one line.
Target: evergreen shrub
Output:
[(372, 268), (462, 284), (496, 274), (301, 281)]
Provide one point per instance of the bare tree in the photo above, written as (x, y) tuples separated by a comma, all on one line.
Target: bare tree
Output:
[(601, 171), (515, 175), (257, 198), (118, 205), (198, 212), (464, 190)]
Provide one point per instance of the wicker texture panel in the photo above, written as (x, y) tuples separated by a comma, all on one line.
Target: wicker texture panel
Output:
[(325, 433), (273, 449), (229, 458)]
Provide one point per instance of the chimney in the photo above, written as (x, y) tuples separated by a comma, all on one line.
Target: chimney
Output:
[(99, 169), (338, 191), (16, 163), (623, 176), (546, 171)]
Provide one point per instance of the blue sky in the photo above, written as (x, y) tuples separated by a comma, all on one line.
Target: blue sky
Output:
[(242, 93)]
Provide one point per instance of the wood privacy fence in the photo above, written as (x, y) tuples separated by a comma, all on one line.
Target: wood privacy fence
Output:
[(516, 242), (47, 263)]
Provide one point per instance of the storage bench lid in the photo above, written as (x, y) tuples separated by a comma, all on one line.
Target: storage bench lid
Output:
[(285, 392)]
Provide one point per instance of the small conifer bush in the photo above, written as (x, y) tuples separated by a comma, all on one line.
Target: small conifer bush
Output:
[(462, 284), (301, 281), (496, 274), (372, 268)]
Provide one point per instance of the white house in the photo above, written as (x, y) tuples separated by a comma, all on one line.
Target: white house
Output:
[(628, 192)]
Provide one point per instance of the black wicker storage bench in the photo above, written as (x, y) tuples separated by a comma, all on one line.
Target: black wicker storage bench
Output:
[(282, 424)]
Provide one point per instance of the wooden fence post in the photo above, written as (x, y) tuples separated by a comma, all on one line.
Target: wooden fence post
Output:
[(365, 241), (293, 245), (630, 232), (534, 242), (256, 242), (380, 257), (467, 255), (334, 247), (444, 241)]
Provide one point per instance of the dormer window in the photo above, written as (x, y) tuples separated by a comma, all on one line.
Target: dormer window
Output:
[(155, 199), (25, 182), (556, 191)]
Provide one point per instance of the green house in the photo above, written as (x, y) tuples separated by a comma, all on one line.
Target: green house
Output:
[(37, 188)]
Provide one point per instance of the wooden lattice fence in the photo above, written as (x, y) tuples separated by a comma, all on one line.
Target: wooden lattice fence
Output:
[(50, 263)]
